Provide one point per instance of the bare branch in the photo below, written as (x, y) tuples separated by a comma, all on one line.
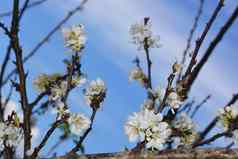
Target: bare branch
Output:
[(30, 5), (46, 137), (190, 37), (200, 105), (192, 77), (199, 42), (213, 123)]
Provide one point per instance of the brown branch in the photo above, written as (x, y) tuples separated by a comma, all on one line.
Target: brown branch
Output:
[(167, 91), (213, 123), (5, 29), (217, 153), (210, 50), (3, 70), (30, 5), (38, 99), (22, 76), (25, 6), (211, 139), (196, 109), (46, 137), (190, 37), (199, 42), (70, 76), (48, 36)]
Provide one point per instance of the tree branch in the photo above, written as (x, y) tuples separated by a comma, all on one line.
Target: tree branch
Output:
[(46, 137), (217, 153), (199, 42), (48, 36), (190, 37), (30, 5)]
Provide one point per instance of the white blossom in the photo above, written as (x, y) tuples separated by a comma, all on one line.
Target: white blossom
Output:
[(95, 93), (226, 116), (138, 75), (10, 135), (173, 100), (79, 80), (187, 129), (75, 37), (58, 91), (146, 125), (60, 109), (78, 123), (140, 32)]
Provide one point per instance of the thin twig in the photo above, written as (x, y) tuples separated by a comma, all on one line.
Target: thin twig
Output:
[(190, 37), (46, 137), (30, 5), (48, 36), (200, 105), (210, 49), (199, 42), (3, 70), (213, 123), (211, 139)]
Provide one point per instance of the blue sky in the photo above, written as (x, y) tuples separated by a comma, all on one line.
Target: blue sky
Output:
[(108, 55)]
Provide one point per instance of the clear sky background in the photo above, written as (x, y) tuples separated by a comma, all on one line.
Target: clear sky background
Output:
[(109, 54)]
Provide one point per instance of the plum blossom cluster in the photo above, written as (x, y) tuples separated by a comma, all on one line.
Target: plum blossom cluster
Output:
[(43, 82), (173, 100), (143, 36), (228, 120), (95, 93), (149, 127), (78, 123), (137, 74), (75, 37), (185, 130), (55, 85), (10, 135), (227, 116)]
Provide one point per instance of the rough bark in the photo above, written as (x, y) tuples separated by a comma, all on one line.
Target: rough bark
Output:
[(217, 153)]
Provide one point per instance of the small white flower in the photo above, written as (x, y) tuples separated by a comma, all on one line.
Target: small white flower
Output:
[(227, 116), (11, 135), (184, 122), (146, 125), (78, 123), (173, 100), (158, 136), (95, 93), (140, 32), (58, 91), (60, 109), (187, 129), (138, 75), (75, 37)]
